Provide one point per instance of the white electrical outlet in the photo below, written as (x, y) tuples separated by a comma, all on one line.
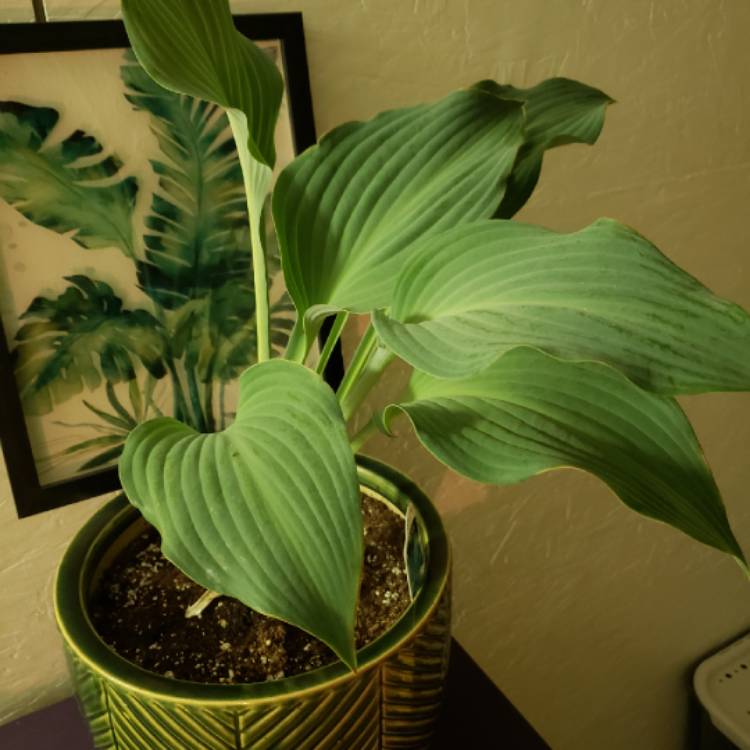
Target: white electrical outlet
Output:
[(722, 683)]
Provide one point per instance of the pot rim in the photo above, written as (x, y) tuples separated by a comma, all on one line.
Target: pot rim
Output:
[(97, 534)]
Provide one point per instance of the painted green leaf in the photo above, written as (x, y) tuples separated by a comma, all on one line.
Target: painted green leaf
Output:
[(102, 459), (75, 340), (102, 441), (528, 413), (112, 428), (65, 186), (113, 420), (196, 238), (106, 449), (348, 210), (266, 511), (558, 111), (603, 293), (216, 336)]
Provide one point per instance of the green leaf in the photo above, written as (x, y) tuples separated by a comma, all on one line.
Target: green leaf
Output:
[(83, 336), (266, 511), (65, 186), (528, 413), (558, 111), (192, 48), (348, 210), (603, 293), (196, 237)]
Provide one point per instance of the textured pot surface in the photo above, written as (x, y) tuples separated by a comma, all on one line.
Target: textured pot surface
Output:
[(392, 701)]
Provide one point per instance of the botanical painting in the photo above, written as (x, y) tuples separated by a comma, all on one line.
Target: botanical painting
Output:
[(125, 268)]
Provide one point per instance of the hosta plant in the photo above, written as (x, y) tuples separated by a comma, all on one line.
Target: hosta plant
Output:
[(531, 349)]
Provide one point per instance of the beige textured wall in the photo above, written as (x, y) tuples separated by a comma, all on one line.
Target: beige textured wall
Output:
[(16, 11), (587, 616), (32, 672)]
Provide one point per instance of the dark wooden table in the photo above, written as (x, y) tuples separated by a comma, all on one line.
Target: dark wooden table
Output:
[(477, 716)]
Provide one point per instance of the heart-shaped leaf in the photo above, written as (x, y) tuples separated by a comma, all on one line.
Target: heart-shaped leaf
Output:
[(558, 111), (267, 511), (528, 413), (604, 293), (348, 210)]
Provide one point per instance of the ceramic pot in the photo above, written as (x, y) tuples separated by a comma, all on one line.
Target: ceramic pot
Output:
[(392, 701)]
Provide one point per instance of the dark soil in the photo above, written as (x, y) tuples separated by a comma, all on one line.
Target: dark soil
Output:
[(139, 610)]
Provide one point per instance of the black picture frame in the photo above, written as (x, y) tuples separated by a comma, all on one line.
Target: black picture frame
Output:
[(30, 495)]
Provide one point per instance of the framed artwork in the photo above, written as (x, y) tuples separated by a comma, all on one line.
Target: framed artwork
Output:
[(125, 266)]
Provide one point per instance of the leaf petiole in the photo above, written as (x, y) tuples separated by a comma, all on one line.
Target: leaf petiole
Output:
[(368, 364), (333, 336), (296, 346), (257, 179), (199, 605), (363, 435)]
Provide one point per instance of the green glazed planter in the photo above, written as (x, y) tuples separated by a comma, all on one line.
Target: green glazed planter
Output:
[(392, 701)]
